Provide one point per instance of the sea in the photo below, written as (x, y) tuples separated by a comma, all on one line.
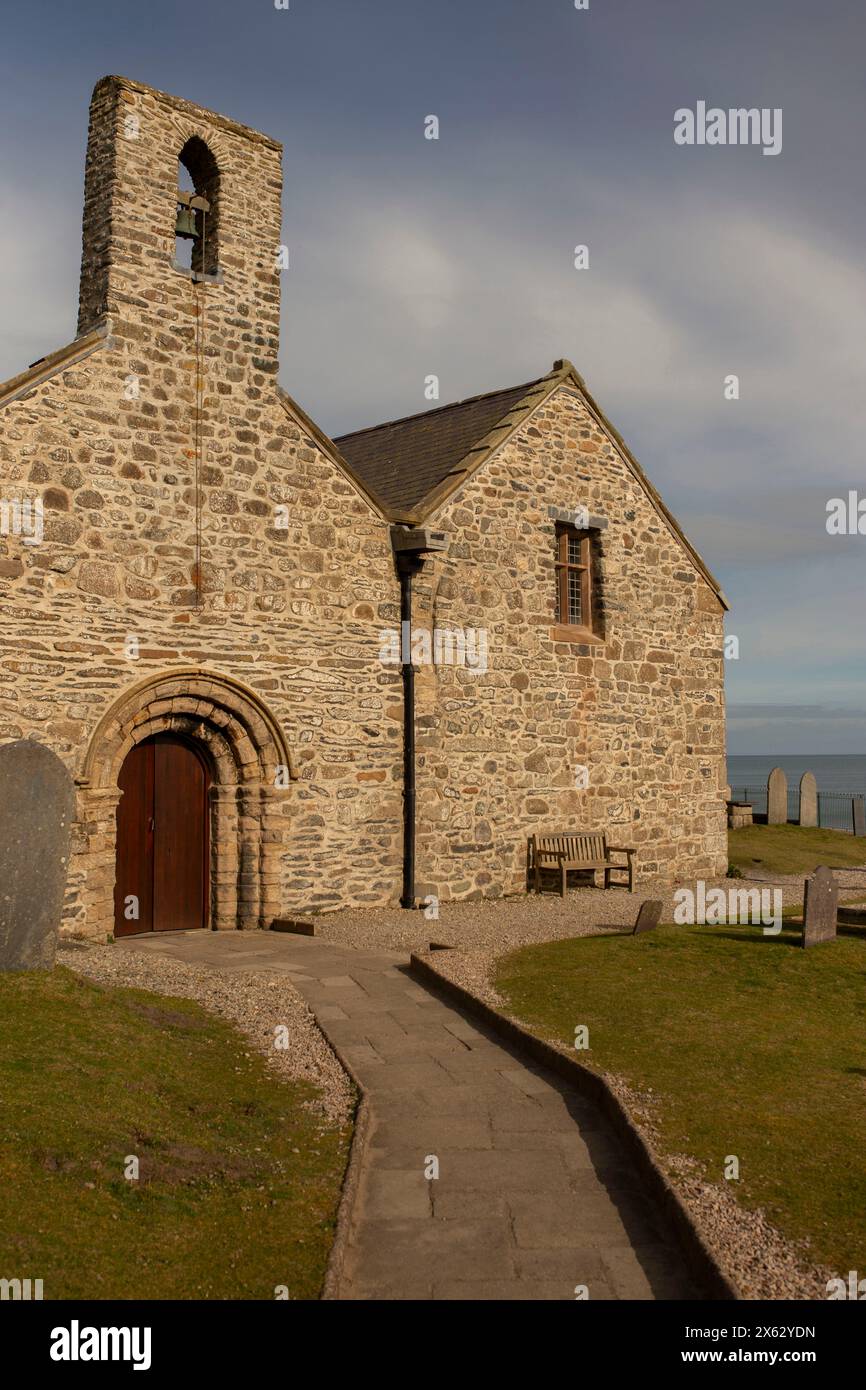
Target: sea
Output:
[(842, 772)]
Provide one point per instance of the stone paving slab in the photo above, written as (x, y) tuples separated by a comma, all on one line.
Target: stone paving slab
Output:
[(535, 1194)]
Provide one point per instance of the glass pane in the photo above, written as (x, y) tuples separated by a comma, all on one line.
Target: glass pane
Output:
[(574, 612), (574, 557)]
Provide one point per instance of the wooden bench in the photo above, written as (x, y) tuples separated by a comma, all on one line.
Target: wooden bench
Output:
[(586, 850)]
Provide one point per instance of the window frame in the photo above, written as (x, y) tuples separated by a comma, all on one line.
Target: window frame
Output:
[(564, 629)]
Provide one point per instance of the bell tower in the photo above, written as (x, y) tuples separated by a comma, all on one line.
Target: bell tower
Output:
[(135, 211)]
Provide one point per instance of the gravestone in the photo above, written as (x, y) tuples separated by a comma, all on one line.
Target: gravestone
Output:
[(820, 902), (777, 798), (649, 916), (808, 799), (37, 806), (859, 813)]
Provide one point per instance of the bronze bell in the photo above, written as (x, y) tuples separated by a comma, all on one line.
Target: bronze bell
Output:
[(185, 225)]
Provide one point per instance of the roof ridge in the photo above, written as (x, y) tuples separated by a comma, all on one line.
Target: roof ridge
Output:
[(53, 362), (449, 405)]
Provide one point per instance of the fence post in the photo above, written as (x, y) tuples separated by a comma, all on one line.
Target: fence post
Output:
[(858, 813)]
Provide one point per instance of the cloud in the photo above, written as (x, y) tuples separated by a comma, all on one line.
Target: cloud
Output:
[(672, 303), (39, 257), (743, 713), (403, 273), (773, 729), (759, 528), (670, 306)]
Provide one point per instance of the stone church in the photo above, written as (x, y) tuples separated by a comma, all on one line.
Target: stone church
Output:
[(219, 618)]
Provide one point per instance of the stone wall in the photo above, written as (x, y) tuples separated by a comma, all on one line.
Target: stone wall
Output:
[(163, 459), (208, 566), (642, 711)]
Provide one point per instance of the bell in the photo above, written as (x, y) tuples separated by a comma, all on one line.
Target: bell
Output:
[(185, 225)]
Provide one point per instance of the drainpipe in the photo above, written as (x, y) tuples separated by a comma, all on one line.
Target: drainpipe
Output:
[(410, 546)]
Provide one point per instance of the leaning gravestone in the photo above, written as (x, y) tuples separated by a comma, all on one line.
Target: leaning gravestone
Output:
[(37, 804), (858, 810), (808, 799), (777, 797), (820, 903), (649, 916)]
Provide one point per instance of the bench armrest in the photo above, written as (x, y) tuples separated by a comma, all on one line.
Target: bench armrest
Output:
[(622, 849)]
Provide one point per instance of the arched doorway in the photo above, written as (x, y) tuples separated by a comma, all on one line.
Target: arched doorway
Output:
[(162, 876), (252, 771)]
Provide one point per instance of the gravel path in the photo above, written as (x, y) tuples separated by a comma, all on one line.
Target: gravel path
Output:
[(256, 1001), (482, 931)]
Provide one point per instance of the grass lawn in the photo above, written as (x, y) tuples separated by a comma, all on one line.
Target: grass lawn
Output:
[(238, 1184), (791, 849), (750, 1045)]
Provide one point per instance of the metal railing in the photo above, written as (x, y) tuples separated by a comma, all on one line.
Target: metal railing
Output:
[(835, 809)]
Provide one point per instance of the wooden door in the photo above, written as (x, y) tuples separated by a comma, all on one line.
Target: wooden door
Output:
[(133, 882), (180, 786), (162, 838)]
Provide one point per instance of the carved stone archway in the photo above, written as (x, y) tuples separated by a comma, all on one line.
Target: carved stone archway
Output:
[(252, 767)]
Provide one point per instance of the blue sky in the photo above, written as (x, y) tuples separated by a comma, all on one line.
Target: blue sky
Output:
[(455, 256)]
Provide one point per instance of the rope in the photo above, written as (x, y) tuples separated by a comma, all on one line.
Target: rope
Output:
[(199, 297)]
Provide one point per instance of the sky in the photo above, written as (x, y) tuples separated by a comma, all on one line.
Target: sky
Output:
[(455, 256)]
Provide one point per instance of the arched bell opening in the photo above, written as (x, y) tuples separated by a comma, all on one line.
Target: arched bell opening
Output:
[(197, 214)]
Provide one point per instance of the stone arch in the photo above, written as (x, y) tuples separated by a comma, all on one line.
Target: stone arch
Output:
[(197, 159), (252, 769)]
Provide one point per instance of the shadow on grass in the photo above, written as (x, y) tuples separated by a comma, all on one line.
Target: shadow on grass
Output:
[(783, 938), (758, 937)]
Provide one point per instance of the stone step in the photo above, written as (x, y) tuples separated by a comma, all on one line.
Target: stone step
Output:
[(300, 926)]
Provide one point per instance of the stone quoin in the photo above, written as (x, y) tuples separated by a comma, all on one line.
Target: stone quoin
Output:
[(215, 573)]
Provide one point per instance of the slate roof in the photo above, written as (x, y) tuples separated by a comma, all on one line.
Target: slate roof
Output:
[(404, 460), (411, 466)]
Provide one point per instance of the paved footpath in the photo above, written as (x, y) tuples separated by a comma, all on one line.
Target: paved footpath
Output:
[(534, 1195)]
